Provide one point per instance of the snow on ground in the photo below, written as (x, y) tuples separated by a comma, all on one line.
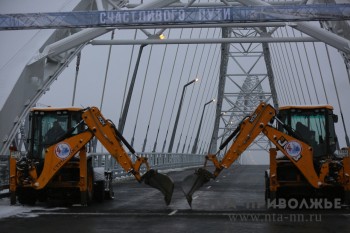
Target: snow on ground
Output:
[(18, 210)]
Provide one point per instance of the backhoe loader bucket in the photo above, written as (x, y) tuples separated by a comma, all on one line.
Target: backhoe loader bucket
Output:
[(161, 182), (193, 182)]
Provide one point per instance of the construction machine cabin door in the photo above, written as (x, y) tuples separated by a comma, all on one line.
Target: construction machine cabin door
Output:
[(49, 126)]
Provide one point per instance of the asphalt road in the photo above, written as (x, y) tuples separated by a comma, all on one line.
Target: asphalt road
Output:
[(232, 203)]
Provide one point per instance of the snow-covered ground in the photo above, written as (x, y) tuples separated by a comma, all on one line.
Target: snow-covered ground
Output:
[(18, 210)]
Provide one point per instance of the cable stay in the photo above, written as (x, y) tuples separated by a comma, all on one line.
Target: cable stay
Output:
[(154, 98), (189, 102), (196, 99), (76, 77), (127, 79), (297, 73), (106, 72), (177, 89), (141, 96), (320, 72), (131, 89), (337, 94), (165, 101)]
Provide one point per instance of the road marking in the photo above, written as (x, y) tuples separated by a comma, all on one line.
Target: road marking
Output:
[(195, 197), (172, 213), (217, 181), (208, 187)]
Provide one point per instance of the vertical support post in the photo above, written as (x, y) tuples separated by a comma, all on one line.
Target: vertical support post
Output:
[(12, 177), (83, 182), (221, 87), (273, 173)]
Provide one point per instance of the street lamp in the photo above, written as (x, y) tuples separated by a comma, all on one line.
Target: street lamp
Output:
[(195, 144), (178, 115)]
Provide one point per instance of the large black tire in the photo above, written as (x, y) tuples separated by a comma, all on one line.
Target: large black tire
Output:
[(13, 198), (26, 196), (267, 187), (87, 197), (99, 189), (109, 193), (347, 198)]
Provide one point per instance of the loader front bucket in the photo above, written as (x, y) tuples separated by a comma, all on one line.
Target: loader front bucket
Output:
[(161, 182), (193, 182)]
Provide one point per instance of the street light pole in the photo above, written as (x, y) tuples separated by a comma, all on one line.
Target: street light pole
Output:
[(195, 144), (178, 115)]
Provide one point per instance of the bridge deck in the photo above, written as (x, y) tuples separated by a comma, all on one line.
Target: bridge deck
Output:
[(221, 206)]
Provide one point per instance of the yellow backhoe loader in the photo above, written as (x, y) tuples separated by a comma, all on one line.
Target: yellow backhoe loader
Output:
[(304, 162), (57, 165)]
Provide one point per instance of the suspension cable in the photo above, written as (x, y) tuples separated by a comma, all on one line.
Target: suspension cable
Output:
[(287, 70), (178, 85), (141, 97), (76, 77), (296, 68), (106, 72), (337, 94), (205, 87), (166, 97), (127, 77), (347, 68), (319, 68), (155, 95), (312, 76), (283, 77), (290, 68), (278, 72), (213, 83), (215, 70), (199, 88), (302, 68), (189, 103)]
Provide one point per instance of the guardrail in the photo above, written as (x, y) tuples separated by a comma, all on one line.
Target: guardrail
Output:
[(4, 175), (159, 161)]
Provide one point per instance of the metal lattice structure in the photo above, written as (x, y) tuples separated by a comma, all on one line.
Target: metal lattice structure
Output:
[(246, 75)]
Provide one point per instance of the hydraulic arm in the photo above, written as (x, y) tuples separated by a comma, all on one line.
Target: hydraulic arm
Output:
[(297, 151)]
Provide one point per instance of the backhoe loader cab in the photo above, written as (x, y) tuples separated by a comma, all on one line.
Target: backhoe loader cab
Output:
[(313, 125), (48, 126)]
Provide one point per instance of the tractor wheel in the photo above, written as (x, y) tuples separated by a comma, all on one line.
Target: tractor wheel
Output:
[(109, 194)]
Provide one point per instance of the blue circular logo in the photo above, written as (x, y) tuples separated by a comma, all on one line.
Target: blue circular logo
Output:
[(62, 150), (293, 149)]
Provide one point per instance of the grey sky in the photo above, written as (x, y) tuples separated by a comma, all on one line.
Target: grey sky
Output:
[(93, 67)]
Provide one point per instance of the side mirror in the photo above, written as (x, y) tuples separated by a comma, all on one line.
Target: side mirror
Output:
[(335, 118)]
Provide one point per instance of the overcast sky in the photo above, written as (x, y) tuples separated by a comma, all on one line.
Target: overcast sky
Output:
[(151, 88)]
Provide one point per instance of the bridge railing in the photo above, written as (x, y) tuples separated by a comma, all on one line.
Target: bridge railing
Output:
[(158, 161), (4, 173)]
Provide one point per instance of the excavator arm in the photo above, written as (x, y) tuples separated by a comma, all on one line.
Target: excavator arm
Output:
[(58, 154), (248, 130), (106, 132)]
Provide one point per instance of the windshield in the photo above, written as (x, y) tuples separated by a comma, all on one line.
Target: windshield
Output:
[(311, 126)]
